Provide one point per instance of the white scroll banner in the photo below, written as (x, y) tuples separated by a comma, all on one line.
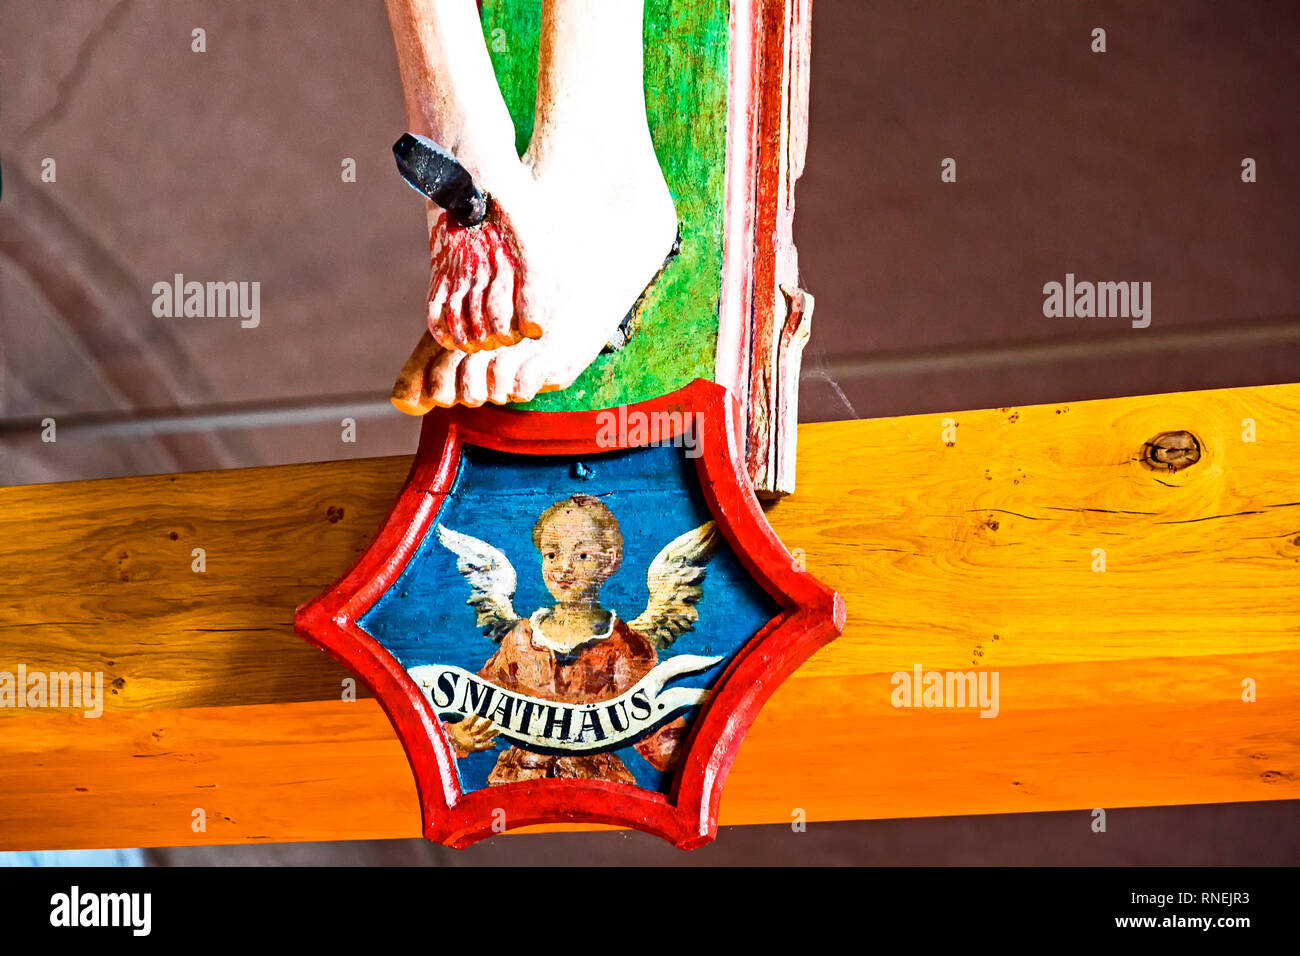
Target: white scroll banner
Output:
[(551, 726)]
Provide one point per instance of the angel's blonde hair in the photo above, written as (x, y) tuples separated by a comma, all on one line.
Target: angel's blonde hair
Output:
[(611, 537)]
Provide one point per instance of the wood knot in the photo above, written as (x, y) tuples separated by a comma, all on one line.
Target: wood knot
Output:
[(1171, 451)]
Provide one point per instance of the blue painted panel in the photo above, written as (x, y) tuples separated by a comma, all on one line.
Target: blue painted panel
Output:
[(654, 494)]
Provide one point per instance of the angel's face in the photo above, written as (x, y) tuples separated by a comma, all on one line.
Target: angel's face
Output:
[(575, 560)]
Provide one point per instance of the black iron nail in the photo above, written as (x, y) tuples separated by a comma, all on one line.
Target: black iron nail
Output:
[(433, 172)]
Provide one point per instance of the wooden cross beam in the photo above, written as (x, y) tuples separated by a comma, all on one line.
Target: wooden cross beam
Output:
[(1138, 597)]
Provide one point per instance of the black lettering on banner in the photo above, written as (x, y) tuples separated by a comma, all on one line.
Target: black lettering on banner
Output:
[(478, 697), (591, 720), (526, 708), (616, 720), (446, 686), (550, 730), (641, 705), (501, 713)]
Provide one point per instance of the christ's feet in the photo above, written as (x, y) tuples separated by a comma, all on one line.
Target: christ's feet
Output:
[(476, 277), (524, 301), (534, 262)]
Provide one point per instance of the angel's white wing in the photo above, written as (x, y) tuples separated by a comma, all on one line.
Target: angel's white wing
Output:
[(491, 579), (676, 580)]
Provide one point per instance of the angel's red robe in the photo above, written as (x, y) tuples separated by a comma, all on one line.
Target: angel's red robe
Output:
[(596, 670)]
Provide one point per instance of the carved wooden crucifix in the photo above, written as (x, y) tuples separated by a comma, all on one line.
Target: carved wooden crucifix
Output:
[(644, 237), (614, 260)]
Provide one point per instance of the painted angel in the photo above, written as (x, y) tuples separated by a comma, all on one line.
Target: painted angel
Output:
[(577, 652)]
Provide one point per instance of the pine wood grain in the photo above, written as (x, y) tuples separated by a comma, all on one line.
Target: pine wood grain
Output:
[(1120, 688), (95, 579), (1155, 735)]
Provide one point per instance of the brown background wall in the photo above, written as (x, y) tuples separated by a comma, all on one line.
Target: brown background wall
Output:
[(1123, 165), (225, 165)]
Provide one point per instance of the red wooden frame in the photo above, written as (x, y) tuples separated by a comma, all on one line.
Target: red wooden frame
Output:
[(767, 121), (811, 615)]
